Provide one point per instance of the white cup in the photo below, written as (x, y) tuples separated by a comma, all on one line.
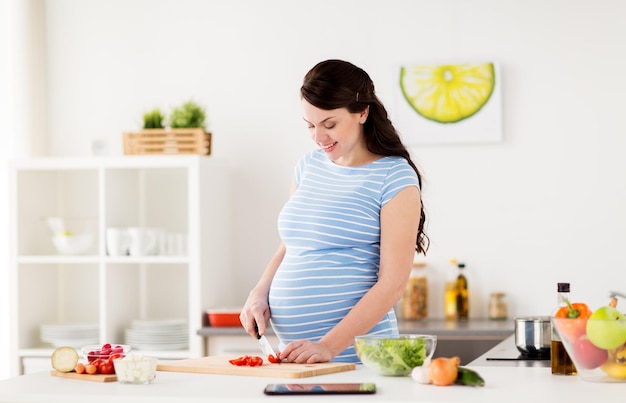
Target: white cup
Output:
[(177, 244), (117, 241), (143, 241)]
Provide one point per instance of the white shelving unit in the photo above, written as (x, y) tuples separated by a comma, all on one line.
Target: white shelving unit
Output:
[(180, 194)]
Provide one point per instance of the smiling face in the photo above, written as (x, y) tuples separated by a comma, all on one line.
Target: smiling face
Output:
[(339, 133)]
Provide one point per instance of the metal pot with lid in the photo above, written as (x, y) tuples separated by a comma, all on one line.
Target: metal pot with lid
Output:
[(533, 335)]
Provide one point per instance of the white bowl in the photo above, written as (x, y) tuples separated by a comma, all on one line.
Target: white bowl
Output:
[(135, 369), (72, 244)]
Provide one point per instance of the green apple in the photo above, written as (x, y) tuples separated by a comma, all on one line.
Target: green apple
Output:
[(606, 328)]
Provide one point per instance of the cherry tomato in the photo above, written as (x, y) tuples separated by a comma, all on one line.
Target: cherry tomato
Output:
[(92, 355), (106, 368), (80, 368), (274, 359), (91, 369), (96, 363), (115, 356)]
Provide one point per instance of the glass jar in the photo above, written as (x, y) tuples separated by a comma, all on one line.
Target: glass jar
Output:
[(497, 306), (415, 298)]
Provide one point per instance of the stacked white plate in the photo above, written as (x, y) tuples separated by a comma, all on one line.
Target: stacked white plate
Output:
[(169, 334), (74, 335)]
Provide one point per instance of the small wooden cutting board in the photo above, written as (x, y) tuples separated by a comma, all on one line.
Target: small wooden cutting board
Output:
[(86, 377), (220, 365)]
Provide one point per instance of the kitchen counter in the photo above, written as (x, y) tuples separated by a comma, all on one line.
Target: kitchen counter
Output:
[(444, 329), (503, 384)]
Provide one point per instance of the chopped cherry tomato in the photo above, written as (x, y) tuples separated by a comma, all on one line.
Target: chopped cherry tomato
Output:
[(274, 359), (243, 360), (255, 361), (247, 360)]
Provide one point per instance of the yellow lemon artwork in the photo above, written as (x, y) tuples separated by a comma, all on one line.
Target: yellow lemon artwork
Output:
[(447, 93)]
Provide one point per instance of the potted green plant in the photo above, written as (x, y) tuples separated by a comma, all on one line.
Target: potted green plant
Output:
[(186, 133), (153, 119), (188, 115)]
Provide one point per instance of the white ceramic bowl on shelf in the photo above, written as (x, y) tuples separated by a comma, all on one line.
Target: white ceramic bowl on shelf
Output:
[(72, 244)]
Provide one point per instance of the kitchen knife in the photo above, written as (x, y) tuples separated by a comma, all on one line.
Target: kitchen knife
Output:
[(264, 344)]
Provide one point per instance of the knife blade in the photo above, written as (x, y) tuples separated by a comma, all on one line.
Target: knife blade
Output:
[(264, 344)]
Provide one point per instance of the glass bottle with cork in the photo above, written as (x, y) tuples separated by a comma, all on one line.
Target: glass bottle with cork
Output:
[(498, 306), (560, 361)]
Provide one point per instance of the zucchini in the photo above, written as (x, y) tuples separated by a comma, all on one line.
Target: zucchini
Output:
[(64, 359), (468, 377)]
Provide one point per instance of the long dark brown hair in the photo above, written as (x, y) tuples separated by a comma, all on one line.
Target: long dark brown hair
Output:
[(334, 84)]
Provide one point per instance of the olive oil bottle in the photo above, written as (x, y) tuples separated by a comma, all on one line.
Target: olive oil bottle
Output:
[(451, 293), (462, 296), (560, 361), (456, 294)]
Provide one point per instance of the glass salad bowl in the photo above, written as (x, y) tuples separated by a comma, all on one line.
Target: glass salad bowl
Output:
[(395, 355)]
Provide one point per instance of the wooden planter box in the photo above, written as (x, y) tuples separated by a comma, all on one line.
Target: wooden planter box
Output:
[(167, 141)]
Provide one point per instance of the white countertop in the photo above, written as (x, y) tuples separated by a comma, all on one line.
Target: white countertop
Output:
[(503, 384)]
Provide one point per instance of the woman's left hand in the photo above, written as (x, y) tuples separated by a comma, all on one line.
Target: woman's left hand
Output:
[(306, 352)]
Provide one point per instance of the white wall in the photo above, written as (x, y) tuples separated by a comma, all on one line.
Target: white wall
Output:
[(545, 205), (23, 116)]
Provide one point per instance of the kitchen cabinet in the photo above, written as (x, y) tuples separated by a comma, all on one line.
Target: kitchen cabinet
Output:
[(467, 339), (183, 195)]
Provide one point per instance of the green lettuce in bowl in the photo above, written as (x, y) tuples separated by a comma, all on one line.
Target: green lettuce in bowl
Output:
[(395, 355)]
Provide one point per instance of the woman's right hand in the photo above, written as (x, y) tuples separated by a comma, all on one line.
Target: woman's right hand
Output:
[(256, 311)]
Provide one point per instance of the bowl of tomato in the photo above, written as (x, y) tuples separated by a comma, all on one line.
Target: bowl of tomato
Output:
[(104, 352)]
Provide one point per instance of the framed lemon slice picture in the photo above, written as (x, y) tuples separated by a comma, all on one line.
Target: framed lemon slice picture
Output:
[(448, 103)]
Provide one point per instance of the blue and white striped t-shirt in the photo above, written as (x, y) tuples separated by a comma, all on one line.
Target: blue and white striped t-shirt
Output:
[(331, 229)]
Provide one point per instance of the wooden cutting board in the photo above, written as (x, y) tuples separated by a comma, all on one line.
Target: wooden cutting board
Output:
[(86, 377), (220, 365)]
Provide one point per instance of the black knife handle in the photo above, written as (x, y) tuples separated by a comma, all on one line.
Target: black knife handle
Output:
[(256, 330)]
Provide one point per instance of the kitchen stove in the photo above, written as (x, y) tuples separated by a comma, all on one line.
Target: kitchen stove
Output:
[(506, 354)]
